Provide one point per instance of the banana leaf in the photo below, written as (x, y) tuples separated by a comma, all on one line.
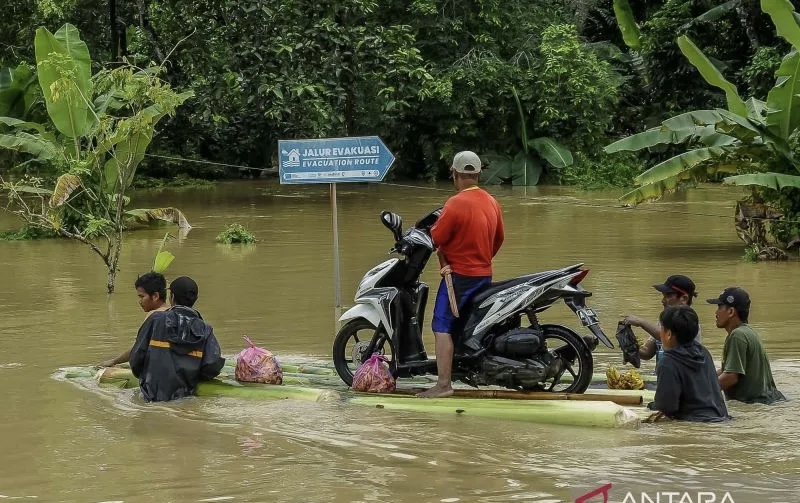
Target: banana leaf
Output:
[(163, 257), (27, 189), (774, 181), (21, 125), (551, 151), (17, 90), (670, 174), (498, 169), (129, 152), (65, 76), (657, 136), (718, 140), (678, 164), (756, 109), (35, 145), (712, 75), (783, 102), (171, 215), (65, 186), (783, 17), (525, 170), (130, 148), (741, 127), (692, 119), (627, 24), (713, 14)]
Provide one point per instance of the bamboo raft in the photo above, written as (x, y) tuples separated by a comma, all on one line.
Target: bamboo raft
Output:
[(596, 408)]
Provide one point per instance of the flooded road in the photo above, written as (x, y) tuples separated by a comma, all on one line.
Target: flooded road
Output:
[(59, 442)]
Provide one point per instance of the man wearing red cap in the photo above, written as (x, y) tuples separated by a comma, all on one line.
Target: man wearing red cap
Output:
[(676, 290)]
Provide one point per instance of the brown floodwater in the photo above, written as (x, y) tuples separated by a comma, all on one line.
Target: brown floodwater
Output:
[(63, 442)]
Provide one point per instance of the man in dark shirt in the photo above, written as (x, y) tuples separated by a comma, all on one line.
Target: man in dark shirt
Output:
[(687, 379), (175, 349)]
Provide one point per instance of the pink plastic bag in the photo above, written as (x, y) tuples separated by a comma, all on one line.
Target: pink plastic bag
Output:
[(373, 376), (255, 364)]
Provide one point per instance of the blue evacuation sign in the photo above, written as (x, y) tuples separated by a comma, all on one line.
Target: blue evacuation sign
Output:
[(333, 160)]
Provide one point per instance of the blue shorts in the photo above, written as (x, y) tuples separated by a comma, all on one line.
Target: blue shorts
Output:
[(465, 287)]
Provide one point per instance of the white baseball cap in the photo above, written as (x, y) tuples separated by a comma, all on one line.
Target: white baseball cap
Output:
[(467, 162)]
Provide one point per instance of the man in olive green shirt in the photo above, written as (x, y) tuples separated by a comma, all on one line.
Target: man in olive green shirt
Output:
[(745, 374)]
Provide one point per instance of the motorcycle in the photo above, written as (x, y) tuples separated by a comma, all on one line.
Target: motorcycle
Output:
[(494, 349)]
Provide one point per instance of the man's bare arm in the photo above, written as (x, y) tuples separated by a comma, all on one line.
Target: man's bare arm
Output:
[(728, 380), (649, 327), (648, 349)]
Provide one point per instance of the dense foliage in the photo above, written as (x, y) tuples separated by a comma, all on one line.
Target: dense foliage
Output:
[(428, 76), (538, 87)]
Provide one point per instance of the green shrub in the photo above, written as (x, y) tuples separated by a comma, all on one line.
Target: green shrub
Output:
[(236, 233), (750, 254), (597, 173), (576, 92), (759, 75)]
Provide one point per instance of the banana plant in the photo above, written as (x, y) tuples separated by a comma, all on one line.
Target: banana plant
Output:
[(525, 168), (163, 257), (100, 128), (18, 92), (626, 21), (753, 141)]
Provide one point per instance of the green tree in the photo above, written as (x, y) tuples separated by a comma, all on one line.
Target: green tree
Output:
[(100, 128), (755, 141)]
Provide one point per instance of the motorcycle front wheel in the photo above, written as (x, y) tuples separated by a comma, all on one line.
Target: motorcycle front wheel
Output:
[(574, 359), (351, 346)]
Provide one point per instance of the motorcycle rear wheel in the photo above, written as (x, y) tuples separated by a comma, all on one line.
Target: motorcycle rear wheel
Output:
[(577, 358), (349, 347)]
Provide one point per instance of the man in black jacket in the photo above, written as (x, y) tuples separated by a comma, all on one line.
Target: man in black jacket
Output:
[(687, 379), (175, 349)]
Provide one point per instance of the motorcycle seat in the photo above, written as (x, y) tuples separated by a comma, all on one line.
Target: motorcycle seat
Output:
[(502, 285)]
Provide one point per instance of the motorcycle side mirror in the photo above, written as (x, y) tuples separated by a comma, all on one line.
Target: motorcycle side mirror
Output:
[(394, 223)]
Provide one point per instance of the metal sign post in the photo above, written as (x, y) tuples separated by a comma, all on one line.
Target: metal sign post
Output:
[(332, 161), (337, 288)]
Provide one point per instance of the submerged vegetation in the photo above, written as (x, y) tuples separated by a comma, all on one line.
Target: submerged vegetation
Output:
[(27, 233), (236, 234)]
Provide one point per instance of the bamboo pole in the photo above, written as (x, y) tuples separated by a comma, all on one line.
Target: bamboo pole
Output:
[(559, 412), (531, 395), (265, 391), (123, 378), (307, 369)]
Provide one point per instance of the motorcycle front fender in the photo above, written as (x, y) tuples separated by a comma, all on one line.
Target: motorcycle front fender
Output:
[(365, 311)]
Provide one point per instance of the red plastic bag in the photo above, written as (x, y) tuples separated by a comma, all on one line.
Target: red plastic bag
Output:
[(373, 376), (255, 364)]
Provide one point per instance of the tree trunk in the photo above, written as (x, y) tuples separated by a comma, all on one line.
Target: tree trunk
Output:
[(112, 277), (112, 14), (751, 217)]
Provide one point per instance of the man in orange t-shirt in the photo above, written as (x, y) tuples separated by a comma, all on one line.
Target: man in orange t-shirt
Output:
[(468, 235)]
